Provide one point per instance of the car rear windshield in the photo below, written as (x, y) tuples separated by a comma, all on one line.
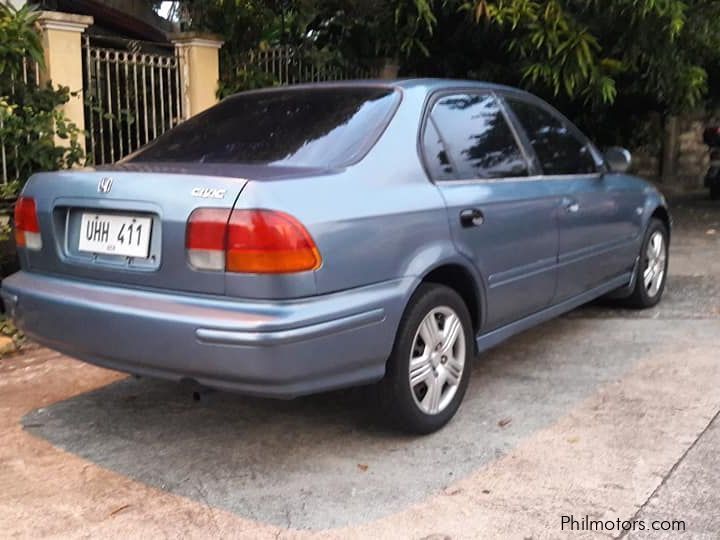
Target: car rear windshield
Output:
[(313, 127)]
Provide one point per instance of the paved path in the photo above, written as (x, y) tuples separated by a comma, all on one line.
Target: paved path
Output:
[(603, 413)]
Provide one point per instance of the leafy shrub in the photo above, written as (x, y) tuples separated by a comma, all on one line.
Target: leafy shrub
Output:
[(30, 119), (29, 122)]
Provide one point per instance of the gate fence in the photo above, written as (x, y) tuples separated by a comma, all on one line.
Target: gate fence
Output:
[(10, 152), (290, 65), (132, 96), (133, 92)]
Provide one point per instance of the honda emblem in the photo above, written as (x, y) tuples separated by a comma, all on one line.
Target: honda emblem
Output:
[(105, 184)]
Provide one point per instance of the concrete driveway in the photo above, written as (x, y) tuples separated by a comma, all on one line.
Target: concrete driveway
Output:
[(604, 414)]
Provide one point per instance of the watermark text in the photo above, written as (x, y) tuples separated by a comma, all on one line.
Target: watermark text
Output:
[(589, 524)]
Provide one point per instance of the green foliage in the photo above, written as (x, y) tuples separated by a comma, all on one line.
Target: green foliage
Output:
[(591, 50), (244, 25), (374, 28), (29, 116), (614, 63), (29, 122), (413, 20), (333, 34), (18, 38), (245, 78)]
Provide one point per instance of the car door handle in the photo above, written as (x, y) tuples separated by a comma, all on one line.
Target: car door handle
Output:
[(471, 217), (571, 206)]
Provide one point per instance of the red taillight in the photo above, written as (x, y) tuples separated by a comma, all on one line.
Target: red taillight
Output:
[(27, 225), (249, 241), (269, 242), (206, 238)]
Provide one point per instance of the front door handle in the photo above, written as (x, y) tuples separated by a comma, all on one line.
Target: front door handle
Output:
[(571, 206), (472, 217)]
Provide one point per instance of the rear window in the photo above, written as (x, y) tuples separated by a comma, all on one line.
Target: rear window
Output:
[(319, 127)]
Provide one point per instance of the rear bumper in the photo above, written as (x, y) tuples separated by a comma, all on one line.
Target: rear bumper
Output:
[(277, 349)]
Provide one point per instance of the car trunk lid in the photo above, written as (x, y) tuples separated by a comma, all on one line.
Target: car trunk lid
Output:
[(125, 226)]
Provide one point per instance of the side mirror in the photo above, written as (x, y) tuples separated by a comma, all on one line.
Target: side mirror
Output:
[(618, 159)]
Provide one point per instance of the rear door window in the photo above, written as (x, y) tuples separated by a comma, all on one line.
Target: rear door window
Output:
[(477, 136), (558, 148), (317, 127), (436, 155)]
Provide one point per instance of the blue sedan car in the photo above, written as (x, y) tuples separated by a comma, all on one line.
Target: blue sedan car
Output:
[(298, 240)]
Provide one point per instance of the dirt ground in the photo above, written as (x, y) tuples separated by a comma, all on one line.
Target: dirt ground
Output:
[(603, 415)]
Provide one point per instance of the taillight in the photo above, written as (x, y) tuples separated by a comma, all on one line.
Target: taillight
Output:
[(249, 241), (27, 225), (269, 242), (206, 238)]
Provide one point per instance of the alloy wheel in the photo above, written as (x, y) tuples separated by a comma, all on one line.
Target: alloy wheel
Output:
[(654, 273), (437, 360)]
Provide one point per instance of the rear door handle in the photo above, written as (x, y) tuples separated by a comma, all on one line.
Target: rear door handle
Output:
[(571, 206), (471, 217)]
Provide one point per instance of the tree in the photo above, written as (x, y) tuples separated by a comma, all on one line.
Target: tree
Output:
[(608, 62)]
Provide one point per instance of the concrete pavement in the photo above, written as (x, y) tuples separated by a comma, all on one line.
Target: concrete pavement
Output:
[(689, 492), (603, 413)]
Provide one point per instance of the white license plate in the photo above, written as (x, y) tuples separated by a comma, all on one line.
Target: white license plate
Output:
[(128, 236)]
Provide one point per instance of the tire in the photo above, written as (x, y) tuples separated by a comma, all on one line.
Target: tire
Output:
[(646, 295), (441, 370)]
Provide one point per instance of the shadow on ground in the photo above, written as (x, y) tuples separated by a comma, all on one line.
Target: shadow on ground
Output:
[(325, 461)]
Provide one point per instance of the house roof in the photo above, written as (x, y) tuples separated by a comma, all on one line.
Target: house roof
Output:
[(116, 22)]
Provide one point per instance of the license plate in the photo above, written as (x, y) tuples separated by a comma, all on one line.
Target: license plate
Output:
[(128, 236)]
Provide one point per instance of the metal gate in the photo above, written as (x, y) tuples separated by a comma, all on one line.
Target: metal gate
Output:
[(288, 65), (132, 95)]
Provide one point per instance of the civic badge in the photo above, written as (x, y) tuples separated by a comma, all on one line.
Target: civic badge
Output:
[(208, 193), (105, 184)]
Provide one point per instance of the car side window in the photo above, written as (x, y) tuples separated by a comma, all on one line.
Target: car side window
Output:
[(436, 155), (558, 148), (477, 137)]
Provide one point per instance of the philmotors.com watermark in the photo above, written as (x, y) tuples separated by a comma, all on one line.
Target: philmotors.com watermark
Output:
[(588, 524)]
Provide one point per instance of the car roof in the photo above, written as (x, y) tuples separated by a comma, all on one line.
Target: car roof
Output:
[(428, 84), (439, 84)]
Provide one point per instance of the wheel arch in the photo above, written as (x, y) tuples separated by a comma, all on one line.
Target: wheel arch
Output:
[(663, 214), (465, 282)]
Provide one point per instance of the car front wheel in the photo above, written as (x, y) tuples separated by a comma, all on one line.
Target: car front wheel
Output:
[(429, 368), (652, 268)]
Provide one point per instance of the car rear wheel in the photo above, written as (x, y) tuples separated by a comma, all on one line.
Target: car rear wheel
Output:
[(429, 368), (652, 270)]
